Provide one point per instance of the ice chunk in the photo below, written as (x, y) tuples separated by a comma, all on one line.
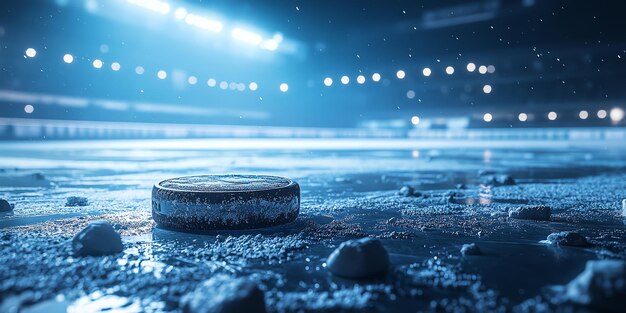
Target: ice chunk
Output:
[(408, 191), (538, 213), (498, 180), (98, 238), (505, 180), (602, 285), (567, 238), (76, 201), (470, 249), (360, 258), (223, 294), (5, 206)]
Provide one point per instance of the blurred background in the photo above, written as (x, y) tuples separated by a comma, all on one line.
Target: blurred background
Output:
[(95, 69)]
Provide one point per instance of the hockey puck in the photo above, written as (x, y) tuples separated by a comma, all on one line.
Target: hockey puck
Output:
[(224, 202)]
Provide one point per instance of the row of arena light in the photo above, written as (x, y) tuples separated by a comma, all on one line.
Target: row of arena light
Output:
[(253, 86), (427, 72), (616, 115), (162, 74), (208, 24)]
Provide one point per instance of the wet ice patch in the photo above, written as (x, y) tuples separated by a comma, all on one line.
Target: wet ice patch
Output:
[(99, 302), (22, 181)]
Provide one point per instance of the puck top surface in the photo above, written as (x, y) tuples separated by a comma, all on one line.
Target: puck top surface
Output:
[(224, 183)]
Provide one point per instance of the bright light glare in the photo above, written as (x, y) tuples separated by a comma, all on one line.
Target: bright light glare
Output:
[(617, 115), (246, 36), (471, 67), (449, 70), (152, 5), (602, 114), (29, 109), (204, 23), (284, 87), (68, 58), (376, 77), (223, 85), (400, 74), (552, 116), (426, 71), (328, 81), (211, 82), (115, 66), (253, 86), (278, 37), (482, 69), (345, 80), (487, 117), (583, 115), (161, 74), (270, 44), (487, 89), (523, 117), (192, 80), (360, 79), (97, 63), (180, 13), (415, 120), (31, 53)]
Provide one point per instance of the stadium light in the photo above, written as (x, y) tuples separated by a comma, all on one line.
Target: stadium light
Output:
[(31, 52), (247, 36), (152, 5), (204, 23)]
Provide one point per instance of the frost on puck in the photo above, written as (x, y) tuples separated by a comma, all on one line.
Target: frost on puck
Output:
[(224, 202)]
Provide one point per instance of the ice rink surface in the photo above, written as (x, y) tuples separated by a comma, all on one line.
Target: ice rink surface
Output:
[(349, 190)]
